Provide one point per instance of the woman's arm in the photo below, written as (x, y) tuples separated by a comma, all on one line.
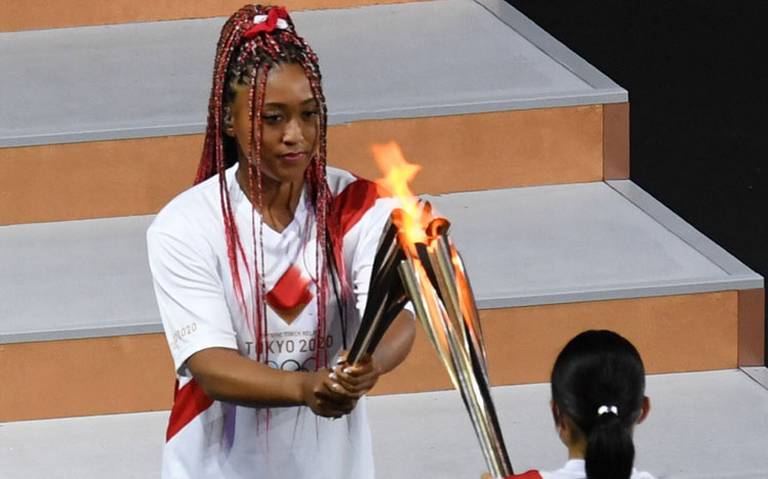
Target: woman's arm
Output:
[(392, 350), (225, 375), (396, 343), (195, 315)]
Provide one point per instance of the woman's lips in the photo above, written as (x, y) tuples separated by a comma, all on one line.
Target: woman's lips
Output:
[(293, 157)]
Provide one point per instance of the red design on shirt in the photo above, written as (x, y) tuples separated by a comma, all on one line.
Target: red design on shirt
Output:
[(348, 208), (188, 403), (290, 291), (351, 204)]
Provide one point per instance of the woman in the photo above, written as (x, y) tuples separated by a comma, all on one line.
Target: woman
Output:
[(261, 271)]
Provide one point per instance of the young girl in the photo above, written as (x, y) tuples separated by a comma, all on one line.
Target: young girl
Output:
[(598, 387), (261, 271)]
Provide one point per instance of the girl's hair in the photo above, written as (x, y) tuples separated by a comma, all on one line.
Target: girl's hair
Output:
[(248, 48), (599, 382)]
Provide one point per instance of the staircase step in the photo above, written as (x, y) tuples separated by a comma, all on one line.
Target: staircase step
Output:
[(706, 425), (75, 279), (107, 107), (545, 262), (709, 425)]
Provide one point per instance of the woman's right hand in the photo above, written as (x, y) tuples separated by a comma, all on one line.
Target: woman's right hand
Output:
[(325, 396)]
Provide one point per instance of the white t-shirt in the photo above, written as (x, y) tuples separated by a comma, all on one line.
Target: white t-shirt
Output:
[(199, 310), (573, 469)]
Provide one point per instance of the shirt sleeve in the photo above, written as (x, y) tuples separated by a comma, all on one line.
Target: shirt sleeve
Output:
[(190, 296)]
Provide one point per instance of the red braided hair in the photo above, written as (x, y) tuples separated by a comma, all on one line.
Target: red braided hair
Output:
[(244, 56)]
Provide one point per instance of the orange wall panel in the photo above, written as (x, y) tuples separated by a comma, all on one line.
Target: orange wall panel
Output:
[(135, 373), (85, 377), (616, 141), (673, 333), (457, 153)]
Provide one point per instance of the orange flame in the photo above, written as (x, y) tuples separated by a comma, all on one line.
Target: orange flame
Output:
[(397, 174)]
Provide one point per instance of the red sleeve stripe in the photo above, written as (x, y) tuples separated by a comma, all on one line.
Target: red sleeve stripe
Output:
[(188, 403), (351, 204)]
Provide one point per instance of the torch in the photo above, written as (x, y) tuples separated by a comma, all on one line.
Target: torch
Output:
[(386, 296), (416, 260)]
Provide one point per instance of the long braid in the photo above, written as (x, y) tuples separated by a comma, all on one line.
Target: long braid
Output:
[(242, 57), (323, 200), (213, 160), (257, 108)]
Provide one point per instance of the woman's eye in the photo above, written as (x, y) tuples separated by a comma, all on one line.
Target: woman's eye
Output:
[(272, 118), (310, 113)]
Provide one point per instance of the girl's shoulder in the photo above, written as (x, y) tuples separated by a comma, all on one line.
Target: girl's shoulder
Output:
[(641, 475), (532, 474), (574, 469)]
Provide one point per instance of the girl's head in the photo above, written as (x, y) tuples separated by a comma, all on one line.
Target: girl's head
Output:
[(598, 395)]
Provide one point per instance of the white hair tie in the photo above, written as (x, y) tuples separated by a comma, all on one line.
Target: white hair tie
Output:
[(607, 409)]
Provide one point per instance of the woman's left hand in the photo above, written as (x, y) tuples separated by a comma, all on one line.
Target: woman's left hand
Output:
[(357, 378)]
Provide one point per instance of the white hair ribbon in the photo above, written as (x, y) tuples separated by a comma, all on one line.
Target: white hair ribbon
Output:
[(607, 409)]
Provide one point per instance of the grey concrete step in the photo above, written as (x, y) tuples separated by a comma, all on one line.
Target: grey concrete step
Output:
[(710, 425), (522, 246), (387, 61)]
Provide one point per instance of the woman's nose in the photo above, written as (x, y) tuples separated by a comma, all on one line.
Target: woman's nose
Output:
[(292, 133)]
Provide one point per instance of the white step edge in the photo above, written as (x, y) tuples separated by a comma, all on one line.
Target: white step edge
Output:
[(522, 246)]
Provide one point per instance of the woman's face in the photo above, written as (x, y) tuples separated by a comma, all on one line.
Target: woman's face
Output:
[(290, 122)]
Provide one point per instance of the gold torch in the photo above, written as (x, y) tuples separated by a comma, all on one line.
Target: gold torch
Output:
[(415, 246)]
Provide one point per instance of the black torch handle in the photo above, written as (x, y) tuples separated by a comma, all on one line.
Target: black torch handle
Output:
[(394, 307)]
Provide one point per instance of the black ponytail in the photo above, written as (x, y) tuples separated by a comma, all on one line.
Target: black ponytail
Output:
[(599, 382), (610, 450)]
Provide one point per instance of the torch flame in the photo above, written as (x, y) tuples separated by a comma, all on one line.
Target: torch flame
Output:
[(397, 174), (433, 276)]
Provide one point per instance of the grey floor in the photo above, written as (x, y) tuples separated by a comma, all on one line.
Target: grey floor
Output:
[(702, 425)]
